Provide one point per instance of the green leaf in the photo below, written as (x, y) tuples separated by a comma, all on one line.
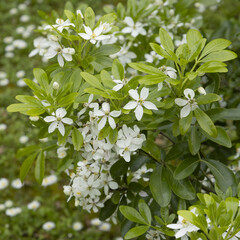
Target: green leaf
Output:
[(40, 167), (70, 15), (77, 139), (117, 70), (141, 67), (89, 17), (222, 56), (193, 36), (64, 164), (185, 123), (101, 93), (208, 98), (205, 122), (27, 165), (150, 147), (159, 187), (29, 99), (104, 132), (221, 139), (136, 231), (26, 151), (152, 79), (211, 67), (160, 51), (194, 140), (166, 40), (108, 210), (182, 188), (215, 45), (92, 80), (145, 211), (33, 85), (41, 78), (132, 214), (186, 168), (223, 175), (67, 100), (105, 50), (113, 135), (119, 168)]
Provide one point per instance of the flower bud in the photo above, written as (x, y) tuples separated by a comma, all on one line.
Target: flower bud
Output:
[(34, 118), (201, 90), (67, 190), (55, 86)]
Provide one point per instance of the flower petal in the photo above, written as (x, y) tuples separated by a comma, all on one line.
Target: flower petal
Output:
[(115, 113), (60, 60), (88, 30), (185, 111), (181, 102), (102, 123), (139, 112), (129, 21), (149, 105), (118, 87), (111, 122), (189, 93), (61, 112), (106, 107), (49, 119), (52, 127), (134, 94), (61, 128), (84, 36), (67, 121), (144, 93), (130, 105)]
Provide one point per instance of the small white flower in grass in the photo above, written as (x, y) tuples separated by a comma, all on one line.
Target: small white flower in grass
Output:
[(105, 227), (2, 207), (40, 45), (4, 82), (139, 102), (120, 84), (188, 104), (60, 25), (47, 226), (183, 226), (96, 222), (77, 226), (33, 205), (20, 44), (17, 183), (61, 152), (49, 180), (106, 115), (62, 53), (12, 212), (3, 183), (58, 120), (23, 139), (3, 75), (95, 35), (2, 128), (8, 203), (134, 28)]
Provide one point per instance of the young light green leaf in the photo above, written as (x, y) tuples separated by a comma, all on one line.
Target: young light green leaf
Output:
[(113, 135), (141, 67), (40, 167), (132, 214), (145, 211), (205, 122), (117, 70), (166, 40), (208, 98), (89, 17), (41, 78), (136, 231), (92, 80), (77, 139), (185, 123), (193, 36), (222, 56), (152, 79)]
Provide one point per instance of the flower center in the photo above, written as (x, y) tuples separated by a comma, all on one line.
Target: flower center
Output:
[(59, 50), (59, 119), (93, 36)]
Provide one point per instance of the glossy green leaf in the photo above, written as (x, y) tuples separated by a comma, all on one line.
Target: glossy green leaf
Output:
[(194, 140), (132, 214), (141, 67), (136, 231), (222, 56), (185, 123), (92, 80), (186, 168), (40, 167), (193, 36), (145, 211), (159, 186), (89, 17), (160, 51), (152, 79), (117, 70), (41, 78), (166, 40), (205, 122), (208, 98)]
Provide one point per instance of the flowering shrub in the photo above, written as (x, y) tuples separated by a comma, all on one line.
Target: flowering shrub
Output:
[(122, 133)]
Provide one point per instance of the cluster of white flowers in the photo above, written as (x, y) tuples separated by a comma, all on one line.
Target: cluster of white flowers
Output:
[(49, 180), (102, 226), (92, 183)]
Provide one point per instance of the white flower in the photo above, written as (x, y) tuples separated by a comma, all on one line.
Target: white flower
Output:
[(11, 212), (34, 118), (169, 71), (55, 85), (33, 205), (139, 102), (3, 183), (48, 226), (58, 120), (152, 56), (23, 139), (60, 25), (154, 235), (40, 45), (94, 35), (67, 190), (134, 28), (89, 104), (120, 84), (2, 207), (17, 183), (4, 82), (62, 53), (184, 226), (20, 74), (96, 222), (77, 226), (3, 74), (8, 203), (189, 104), (201, 90), (2, 128), (51, 179), (61, 152), (8, 40), (80, 13), (21, 83), (106, 115), (13, 11), (106, 227), (20, 44), (24, 18)]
